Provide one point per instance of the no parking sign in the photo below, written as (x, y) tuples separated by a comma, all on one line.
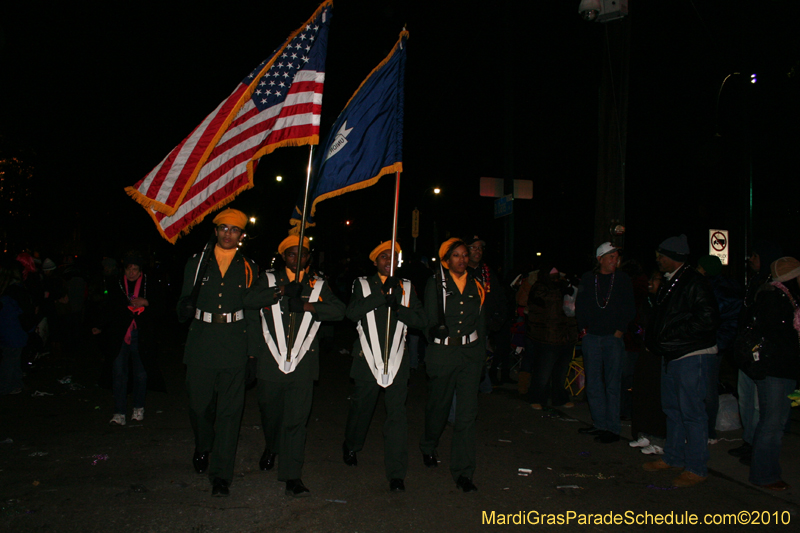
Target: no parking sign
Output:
[(718, 244)]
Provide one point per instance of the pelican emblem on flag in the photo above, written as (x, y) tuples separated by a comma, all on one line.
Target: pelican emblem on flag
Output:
[(340, 141)]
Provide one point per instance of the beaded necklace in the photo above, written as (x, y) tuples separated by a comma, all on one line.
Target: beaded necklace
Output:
[(597, 288), (123, 284), (660, 299)]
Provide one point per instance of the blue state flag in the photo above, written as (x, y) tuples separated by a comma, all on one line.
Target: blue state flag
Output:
[(366, 141)]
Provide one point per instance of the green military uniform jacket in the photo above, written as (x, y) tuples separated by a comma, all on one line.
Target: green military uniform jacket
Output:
[(223, 345), (412, 316), (327, 308), (463, 315)]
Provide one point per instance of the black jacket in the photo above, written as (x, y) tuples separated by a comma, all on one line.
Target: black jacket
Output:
[(775, 315), (113, 319), (685, 317)]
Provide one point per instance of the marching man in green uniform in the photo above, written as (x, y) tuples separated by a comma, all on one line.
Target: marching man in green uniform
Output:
[(217, 298), (288, 360), (454, 359), (369, 306)]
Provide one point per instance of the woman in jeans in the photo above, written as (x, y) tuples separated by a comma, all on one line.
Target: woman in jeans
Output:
[(777, 311), (128, 324)]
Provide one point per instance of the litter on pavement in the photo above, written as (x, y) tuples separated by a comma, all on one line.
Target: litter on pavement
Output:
[(598, 476), (99, 457)]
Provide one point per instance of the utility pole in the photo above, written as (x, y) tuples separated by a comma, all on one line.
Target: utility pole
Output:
[(612, 134)]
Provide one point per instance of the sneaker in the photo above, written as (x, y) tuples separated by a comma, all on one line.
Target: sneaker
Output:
[(117, 419), (536, 406), (659, 464), (713, 441), (688, 479), (641, 443), (653, 449), (138, 414)]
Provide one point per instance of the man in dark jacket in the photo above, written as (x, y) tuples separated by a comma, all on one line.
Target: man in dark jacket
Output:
[(498, 322), (683, 331), (729, 298)]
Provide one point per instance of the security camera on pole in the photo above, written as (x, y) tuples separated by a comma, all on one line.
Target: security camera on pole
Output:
[(603, 10)]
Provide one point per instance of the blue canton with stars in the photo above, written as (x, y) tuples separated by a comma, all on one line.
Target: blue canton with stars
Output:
[(305, 52)]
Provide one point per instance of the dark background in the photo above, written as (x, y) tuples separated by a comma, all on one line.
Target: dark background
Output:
[(93, 95)]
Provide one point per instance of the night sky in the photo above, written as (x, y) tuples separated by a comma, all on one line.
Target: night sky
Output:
[(99, 93)]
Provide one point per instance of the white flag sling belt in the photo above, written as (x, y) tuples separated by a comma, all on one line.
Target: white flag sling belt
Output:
[(288, 360), (372, 346)]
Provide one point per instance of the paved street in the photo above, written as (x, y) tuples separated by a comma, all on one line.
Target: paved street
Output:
[(66, 469)]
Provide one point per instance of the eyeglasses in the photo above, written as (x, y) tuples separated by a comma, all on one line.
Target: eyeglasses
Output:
[(233, 230)]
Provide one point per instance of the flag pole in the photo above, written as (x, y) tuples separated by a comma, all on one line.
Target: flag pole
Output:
[(386, 345), (300, 250)]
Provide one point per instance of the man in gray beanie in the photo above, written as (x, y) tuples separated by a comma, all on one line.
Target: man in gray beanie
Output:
[(682, 330)]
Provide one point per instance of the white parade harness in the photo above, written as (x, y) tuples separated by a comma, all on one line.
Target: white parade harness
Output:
[(305, 334), (372, 347)]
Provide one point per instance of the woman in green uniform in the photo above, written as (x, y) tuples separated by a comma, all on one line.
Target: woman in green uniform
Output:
[(455, 358)]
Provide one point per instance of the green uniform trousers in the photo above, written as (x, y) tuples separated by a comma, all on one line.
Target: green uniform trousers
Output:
[(216, 401), (444, 380), (285, 408), (395, 430)]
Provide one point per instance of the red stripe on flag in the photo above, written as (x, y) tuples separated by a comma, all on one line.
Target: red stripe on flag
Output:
[(195, 155)]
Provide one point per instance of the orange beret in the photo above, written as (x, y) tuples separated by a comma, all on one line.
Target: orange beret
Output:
[(231, 217), (445, 247), (293, 240), (386, 245)]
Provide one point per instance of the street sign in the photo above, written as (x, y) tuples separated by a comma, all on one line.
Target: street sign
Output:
[(504, 206), (523, 189), (415, 223), (718, 244), (492, 187)]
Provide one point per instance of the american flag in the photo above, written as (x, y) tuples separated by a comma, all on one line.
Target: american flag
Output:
[(277, 104)]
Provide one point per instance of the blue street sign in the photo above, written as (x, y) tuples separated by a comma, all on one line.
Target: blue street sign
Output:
[(503, 206)]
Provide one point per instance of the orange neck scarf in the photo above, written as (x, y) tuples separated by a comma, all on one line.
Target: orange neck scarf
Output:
[(290, 274), (461, 282), (224, 258)]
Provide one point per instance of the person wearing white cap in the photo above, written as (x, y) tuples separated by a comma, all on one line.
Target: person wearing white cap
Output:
[(604, 308)]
